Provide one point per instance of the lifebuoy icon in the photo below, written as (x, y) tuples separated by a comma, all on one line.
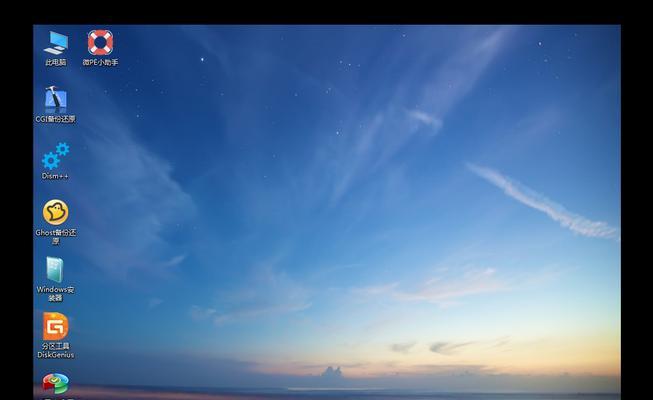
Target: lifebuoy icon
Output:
[(100, 42)]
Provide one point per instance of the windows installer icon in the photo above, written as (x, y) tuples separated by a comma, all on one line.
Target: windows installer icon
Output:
[(54, 269)]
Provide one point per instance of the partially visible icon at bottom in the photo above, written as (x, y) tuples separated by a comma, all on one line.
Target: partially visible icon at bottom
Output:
[(58, 382)]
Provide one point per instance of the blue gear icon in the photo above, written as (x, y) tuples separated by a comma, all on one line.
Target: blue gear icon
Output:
[(50, 161), (63, 149)]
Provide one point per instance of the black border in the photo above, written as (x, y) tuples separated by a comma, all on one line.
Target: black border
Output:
[(375, 14)]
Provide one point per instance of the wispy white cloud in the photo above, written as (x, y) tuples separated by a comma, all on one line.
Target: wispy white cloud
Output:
[(376, 289), (440, 290), (199, 313), (176, 260), (372, 136), (403, 348), (154, 302), (448, 348), (443, 291), (460, 72), (426, 119), (139, 196), (576, 223), (267, 292), (261, 311)]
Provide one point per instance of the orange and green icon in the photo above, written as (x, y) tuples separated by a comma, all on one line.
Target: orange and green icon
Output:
[(55, 326)]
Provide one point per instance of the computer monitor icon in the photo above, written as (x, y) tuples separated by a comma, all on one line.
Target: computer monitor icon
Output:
[(59, 41)]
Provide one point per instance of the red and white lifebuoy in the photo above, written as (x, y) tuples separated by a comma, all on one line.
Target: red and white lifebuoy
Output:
[(108, 46)]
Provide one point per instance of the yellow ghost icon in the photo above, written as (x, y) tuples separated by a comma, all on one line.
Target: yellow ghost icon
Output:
[(55, 212)]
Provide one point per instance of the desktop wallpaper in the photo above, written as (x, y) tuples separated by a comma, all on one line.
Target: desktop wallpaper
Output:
[(335, 211)]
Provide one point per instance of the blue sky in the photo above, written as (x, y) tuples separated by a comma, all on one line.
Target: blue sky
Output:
[(263, 202)]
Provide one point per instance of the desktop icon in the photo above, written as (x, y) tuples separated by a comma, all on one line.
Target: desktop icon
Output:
[(51, 160), (55, 326), (100, 42), (55, 212), (55, 98), (59, 43), (58, 382), (54, 269)]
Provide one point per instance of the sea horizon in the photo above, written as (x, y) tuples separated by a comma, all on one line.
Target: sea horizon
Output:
[(133, 392)]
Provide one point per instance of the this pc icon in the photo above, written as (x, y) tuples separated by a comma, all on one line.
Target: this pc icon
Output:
[(55, 98), (59, 43), (54, 269)]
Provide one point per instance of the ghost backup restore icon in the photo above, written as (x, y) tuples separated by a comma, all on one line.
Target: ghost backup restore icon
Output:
[(55, 212)]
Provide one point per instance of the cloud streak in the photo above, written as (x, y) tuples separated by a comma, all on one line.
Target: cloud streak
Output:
[(426, 119), (154, 302), (126, 221), (439, 290), (574, 222), (268, 292), (403, 348), (448, 348), (374, 135)]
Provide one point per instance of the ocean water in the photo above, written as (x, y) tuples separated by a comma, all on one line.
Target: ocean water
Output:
[(143, 393)]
